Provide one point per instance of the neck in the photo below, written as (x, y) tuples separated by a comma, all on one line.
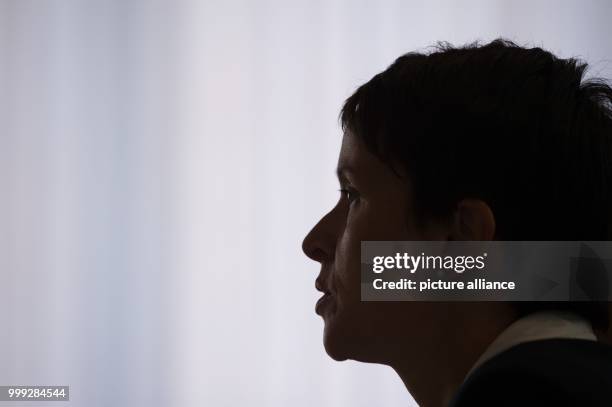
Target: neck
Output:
[(434, 373)]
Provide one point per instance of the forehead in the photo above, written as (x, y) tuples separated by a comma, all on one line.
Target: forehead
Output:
[(353, 153), (355, 159)]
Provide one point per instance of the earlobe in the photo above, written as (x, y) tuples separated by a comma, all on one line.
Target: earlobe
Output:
[(474, 220)]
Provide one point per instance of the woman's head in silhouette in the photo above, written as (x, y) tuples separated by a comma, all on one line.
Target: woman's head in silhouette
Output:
[(374, 205), (474, 143)]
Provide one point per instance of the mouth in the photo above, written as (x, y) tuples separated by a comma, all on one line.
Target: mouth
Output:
[(325, 300)]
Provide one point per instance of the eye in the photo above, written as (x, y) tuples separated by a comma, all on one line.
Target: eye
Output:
[(349, 193)]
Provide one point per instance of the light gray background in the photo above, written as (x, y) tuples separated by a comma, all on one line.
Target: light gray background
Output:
[(160, 163)]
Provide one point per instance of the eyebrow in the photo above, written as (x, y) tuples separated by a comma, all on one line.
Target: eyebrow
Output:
[(342, 170)]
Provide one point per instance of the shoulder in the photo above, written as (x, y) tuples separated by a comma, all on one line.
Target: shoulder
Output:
[(546, 372)]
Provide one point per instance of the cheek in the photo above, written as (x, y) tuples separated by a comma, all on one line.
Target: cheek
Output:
[(347, 270), (366, 222), (346, 276)]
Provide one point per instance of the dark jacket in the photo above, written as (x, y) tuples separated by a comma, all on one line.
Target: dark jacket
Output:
[(551, 372)]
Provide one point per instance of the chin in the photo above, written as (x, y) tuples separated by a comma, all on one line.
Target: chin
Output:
[(341, 348), (350, 338), (335, 350), (343, 340), (335, 347)]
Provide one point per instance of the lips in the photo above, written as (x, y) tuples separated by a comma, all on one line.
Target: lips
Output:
[(323, 303), (325, 300), (321, 286)]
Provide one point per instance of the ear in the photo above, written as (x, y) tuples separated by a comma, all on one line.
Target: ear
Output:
[(473, 220)]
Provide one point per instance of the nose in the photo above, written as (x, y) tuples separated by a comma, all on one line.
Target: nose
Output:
[(320, 243)]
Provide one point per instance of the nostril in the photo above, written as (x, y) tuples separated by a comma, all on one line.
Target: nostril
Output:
[(318, 245), (311, 249), (317, 254)]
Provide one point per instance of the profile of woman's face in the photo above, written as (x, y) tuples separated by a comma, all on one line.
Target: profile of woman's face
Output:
[(374, 205)]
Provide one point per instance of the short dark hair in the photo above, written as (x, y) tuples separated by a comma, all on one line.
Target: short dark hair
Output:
[(516, 127)]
